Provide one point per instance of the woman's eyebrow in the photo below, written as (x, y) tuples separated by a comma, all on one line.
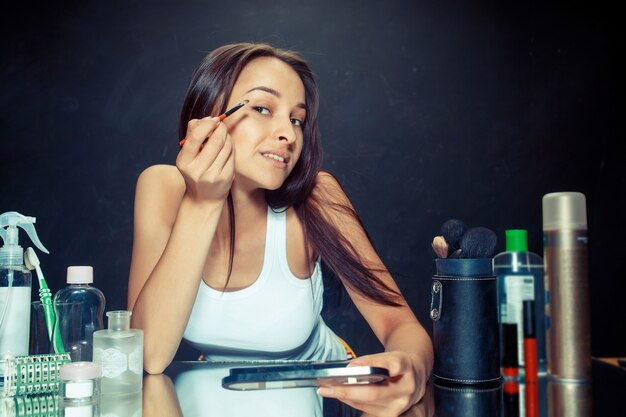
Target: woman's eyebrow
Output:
[(266, 89), (274, 93)]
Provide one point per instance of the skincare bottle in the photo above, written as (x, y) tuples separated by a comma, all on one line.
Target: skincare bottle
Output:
[(567, 285), (15, 285), (79, 309), (520, 278), (119, 350)]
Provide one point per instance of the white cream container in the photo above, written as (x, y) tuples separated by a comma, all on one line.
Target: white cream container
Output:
[(79, 381)]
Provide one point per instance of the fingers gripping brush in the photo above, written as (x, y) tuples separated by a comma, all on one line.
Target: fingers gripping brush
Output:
[(32, 262)]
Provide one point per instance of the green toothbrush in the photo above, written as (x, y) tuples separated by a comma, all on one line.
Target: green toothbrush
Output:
[(32, 262)]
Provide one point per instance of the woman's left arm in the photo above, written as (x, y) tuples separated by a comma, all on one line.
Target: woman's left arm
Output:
[(408, 356), (408, 350)]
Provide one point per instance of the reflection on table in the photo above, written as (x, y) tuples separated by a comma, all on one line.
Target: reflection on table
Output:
[(514, 399), (200, 393), (196, 390), (190, 389)]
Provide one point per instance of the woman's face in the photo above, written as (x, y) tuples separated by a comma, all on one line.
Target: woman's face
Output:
[(266, 132)]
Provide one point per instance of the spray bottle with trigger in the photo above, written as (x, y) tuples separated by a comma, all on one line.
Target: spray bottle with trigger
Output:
[(15, 284)]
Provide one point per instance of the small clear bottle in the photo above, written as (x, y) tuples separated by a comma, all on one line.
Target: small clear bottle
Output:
[(520, 277), (119, 349), (79, 309)]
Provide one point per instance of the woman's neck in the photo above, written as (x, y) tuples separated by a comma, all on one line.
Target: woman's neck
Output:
[(250, 210)]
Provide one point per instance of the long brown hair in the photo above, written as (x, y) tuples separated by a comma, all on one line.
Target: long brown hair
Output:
[(209, 90)]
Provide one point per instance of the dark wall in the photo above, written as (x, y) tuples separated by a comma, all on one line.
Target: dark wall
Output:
[(430, 110)]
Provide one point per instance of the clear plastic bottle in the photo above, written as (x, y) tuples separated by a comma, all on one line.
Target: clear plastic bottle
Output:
[(119, 349), (15, 289), (79, 309), (15, 285), (520, 277)]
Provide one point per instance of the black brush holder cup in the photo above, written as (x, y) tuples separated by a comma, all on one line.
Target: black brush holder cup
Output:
[(465, 321), (467, 401)]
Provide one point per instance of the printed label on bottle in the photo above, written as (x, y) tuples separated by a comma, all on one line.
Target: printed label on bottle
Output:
[(113, 362), (15, 306), (518, 288), (135, 361)]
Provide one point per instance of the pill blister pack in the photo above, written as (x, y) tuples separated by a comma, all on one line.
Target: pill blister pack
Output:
[(43, 405), (33, 374)]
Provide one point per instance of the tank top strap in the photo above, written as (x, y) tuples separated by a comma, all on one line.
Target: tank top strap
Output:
[(277, 225), (277, 229)]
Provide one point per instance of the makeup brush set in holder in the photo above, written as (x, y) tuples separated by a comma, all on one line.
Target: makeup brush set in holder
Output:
[(464, 306)]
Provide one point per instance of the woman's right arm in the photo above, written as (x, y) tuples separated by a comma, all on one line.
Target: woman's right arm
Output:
[(176, 215)]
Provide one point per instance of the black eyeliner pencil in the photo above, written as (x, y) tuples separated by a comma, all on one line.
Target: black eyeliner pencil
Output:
[(222, 116)]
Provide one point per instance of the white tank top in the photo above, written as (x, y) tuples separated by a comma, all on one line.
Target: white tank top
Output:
[(275, 318)]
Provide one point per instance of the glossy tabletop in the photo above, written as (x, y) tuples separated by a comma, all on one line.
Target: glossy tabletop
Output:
[(194, 389), (190, 389)]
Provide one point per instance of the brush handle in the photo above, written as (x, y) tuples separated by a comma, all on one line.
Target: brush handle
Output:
[(46, 301), (53, 331)]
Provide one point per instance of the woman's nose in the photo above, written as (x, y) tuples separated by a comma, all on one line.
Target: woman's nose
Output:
[(284, 130)]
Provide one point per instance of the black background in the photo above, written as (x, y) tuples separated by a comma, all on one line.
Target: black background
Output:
[(429, 111)]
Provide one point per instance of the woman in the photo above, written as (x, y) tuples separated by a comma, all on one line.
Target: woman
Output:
[(227, 243)]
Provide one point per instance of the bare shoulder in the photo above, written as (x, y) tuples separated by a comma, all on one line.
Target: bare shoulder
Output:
[(325, 179), (160, 189), (328, 190), (167, 176)]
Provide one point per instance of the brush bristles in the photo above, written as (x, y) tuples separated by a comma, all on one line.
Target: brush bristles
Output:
[(440, 247)]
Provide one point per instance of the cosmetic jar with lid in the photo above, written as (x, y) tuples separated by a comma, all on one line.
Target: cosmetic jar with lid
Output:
[(79, 381)]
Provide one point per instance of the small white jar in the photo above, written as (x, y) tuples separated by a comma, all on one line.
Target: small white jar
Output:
[(79, 381)]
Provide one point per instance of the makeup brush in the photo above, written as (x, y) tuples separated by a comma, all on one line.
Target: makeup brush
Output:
[(452, 230), (222, 116), (440, 246), (478, 242)]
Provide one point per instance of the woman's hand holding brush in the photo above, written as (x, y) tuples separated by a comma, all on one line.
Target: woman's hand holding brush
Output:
[(207, 162)]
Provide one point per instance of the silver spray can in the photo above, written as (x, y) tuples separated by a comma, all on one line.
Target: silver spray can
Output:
[(567, 286)]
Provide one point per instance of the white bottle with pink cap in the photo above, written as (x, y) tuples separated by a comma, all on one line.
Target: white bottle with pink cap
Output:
[(79, 311)]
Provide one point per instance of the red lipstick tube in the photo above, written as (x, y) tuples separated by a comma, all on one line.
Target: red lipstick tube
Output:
[(510, 365), (530, 342), (530, 359)]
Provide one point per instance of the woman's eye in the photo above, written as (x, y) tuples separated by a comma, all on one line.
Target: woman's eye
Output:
[(297, 122), (262, 110)]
